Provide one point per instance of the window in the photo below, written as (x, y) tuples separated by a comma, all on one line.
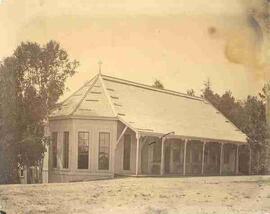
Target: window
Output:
[(66, 150), (54, 149), (157, 152), (127, 147), (83, 150), (104, 151)]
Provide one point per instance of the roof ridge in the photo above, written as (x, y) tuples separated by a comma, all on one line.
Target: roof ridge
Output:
[(107, 94), (141, 85), (85, 94), (87, 82)]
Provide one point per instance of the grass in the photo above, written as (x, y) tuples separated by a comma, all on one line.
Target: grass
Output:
[(142, 196)]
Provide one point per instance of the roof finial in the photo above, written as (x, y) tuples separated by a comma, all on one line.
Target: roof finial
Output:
[(99, 66)]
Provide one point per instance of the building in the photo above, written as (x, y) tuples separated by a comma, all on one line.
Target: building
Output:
[(112, 126)]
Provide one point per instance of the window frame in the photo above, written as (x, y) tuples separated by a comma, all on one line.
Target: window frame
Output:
[(109, 151), (88, 159), (64, 161), (54, 152)]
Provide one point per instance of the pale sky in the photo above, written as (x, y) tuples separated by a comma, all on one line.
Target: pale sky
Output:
[(180, 42)]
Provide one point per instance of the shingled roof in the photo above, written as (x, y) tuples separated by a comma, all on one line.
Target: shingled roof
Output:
[(149, 110)]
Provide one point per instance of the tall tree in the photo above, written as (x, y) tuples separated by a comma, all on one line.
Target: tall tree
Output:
[(33, 79), (191, 92), (248, 115), (255, 122), (158, 84), (10, 114), (209, 94)]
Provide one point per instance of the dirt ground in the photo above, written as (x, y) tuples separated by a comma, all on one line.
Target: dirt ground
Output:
[(142, 195)]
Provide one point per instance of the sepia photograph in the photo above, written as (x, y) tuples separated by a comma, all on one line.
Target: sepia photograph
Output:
[(137, 107)]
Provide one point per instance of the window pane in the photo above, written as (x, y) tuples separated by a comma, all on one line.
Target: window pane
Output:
[(104, 151), (83, 150), (127, 148), (66, 150), (54, 149)]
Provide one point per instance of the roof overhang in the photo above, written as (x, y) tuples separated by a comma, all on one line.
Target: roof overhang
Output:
[(148, 133), (65, 117), (183, 137), (175, 136)]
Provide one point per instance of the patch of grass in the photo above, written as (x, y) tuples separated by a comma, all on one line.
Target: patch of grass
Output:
[(163, 196), (265, 182), (152, 210)]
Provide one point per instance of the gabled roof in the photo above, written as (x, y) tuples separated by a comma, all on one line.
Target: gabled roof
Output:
[(89, 100), (149, 110)]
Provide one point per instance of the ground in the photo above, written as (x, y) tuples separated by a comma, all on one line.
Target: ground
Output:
[(249, 194)]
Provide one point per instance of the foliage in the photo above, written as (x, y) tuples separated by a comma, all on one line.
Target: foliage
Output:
[(255, 120), (31, 82), (248, 115), (191, 92), (158, 84)]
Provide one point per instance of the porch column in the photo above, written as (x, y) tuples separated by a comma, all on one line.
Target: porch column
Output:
[(137, 153), (162, 165), (203, 157), (250, 156), (221, 159), (237, 160), (185, 154)]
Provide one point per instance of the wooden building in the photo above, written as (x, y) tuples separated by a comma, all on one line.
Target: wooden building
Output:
[(113, 126)]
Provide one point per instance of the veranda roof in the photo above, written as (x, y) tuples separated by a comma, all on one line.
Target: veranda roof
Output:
[(149, 110)]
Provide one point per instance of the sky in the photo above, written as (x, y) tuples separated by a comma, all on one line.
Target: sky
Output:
[(180, 42)]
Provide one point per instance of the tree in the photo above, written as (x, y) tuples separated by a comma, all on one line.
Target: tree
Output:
[(191, 92), (232, 109), (265, 91), (248, 115), (32, 80), (255, 124), (158, 84), (265, 96), (255, 128), (209, 94), (9, 137)]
